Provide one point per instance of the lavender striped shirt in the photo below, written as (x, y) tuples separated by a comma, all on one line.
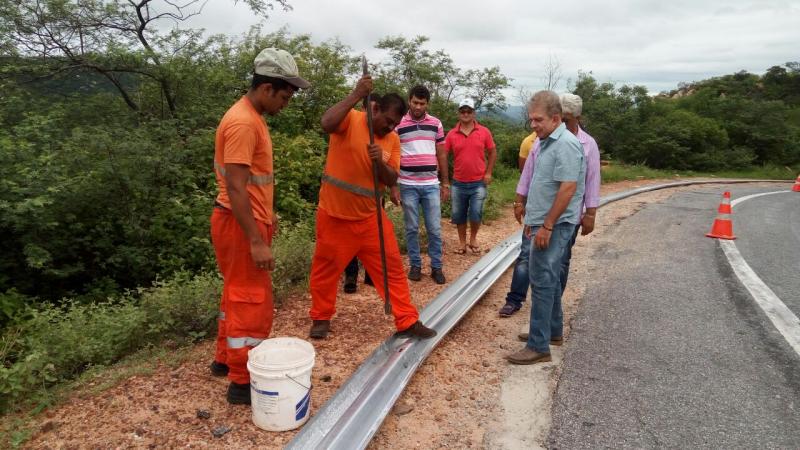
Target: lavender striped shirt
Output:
[(418, 140), (591, 197)]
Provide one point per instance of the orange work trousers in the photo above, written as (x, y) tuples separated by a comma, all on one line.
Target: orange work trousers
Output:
[(338, 241), (245, 312)]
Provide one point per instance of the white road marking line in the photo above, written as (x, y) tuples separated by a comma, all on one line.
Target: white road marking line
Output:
[(781, 316)]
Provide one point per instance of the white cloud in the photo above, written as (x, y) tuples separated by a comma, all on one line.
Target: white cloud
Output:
[(654, 43)]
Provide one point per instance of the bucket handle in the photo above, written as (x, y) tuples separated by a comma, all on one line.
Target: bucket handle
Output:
[(308, 388)]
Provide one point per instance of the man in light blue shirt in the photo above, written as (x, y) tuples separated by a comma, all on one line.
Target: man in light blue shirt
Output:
[(552, 212)]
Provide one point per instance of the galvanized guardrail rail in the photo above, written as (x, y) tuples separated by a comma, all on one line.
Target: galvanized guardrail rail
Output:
[(353, 415)]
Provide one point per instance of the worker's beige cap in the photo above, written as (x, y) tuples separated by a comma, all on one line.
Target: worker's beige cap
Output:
[(277, 63)]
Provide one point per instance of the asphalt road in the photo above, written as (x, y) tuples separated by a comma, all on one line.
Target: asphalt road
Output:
[(768, 237), (668, 350)]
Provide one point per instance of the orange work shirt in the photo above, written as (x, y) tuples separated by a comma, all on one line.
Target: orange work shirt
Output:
[(349, 162), (243, 138)]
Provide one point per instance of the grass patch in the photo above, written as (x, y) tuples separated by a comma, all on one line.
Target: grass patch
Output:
[(632, 172), (501, 192)]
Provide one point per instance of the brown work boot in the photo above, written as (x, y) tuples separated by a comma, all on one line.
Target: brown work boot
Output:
[(554, 340), (418, 330), (320, 329), (528, 356)]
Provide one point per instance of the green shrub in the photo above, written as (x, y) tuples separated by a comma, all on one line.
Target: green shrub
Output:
[(56, 343), (395, 214), (293, 249), (183, 308), (12, 303), (501, 192)]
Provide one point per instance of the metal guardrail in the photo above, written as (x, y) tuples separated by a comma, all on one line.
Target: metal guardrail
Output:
[(354, 414)]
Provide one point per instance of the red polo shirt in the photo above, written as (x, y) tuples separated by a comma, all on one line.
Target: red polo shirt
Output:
[(469, 152)]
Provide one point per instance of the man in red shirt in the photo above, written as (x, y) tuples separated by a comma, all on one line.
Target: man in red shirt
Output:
[(474, 155), (243, 219)]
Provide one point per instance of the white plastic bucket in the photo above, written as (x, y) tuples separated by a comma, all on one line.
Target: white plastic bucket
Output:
[(280, 382)]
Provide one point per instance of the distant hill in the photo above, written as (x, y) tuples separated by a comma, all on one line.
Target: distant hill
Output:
[(512, 114)]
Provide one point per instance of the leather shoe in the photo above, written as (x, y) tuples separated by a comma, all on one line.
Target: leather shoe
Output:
[(554, 340), (508, 310), (320, 329), (415, 273), (418, 330), (528, 356), (438, 276)]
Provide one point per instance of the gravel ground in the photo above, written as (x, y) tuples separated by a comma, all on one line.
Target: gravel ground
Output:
[(459, 397)]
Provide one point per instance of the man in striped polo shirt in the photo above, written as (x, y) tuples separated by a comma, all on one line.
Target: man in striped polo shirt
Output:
[(423, 166)]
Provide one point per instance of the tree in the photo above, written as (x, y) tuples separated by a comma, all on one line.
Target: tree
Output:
[(486, 86), (410, 64), (552, 73), (115, 39)]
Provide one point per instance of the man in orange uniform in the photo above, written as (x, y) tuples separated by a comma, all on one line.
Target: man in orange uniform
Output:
[(243, 221), (347, 216)]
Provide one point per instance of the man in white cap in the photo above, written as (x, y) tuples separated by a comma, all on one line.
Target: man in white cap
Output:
[(243, 220), (474, 154)]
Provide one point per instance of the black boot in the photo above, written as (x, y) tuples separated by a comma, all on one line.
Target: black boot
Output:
[(239, 394), (218, 369), (350, 283)]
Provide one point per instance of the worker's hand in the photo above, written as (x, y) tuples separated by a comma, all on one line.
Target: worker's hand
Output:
[(587, 224), (376, 153), (542, 238), (394, 195), (364, 86), (519, 212), (526, 230), (444, 192), (487, 179), (262, 256)]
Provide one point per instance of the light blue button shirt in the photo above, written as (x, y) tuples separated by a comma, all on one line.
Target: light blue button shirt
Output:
[(560, 159)]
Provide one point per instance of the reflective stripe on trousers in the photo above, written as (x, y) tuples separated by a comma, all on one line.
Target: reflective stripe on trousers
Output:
[(254, 179), (242, 342), (349, 187)]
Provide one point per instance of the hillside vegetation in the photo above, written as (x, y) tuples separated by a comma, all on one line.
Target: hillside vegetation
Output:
[(106, 182)]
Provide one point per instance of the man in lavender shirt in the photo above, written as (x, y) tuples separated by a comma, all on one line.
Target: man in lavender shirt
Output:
[(572, 106)]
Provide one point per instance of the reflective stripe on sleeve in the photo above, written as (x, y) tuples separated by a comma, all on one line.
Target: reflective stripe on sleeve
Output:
[(258, 180)]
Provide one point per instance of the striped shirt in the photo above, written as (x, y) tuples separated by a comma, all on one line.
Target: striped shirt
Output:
[(418, 140)]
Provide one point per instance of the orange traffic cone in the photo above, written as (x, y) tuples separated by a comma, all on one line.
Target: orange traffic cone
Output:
[(796, 187), (723, 225)]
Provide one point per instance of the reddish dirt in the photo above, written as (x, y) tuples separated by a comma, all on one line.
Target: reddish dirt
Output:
[(450, 402)]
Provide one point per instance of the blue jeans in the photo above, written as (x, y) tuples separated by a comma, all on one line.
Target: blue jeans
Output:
[(428, 197), (547, 317), (467, 201), (519, 279), (565, 261)]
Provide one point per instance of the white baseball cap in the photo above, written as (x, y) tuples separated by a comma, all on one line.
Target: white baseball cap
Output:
[(466, 102)]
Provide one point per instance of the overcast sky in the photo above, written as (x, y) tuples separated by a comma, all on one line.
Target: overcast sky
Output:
[(652, 43)]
